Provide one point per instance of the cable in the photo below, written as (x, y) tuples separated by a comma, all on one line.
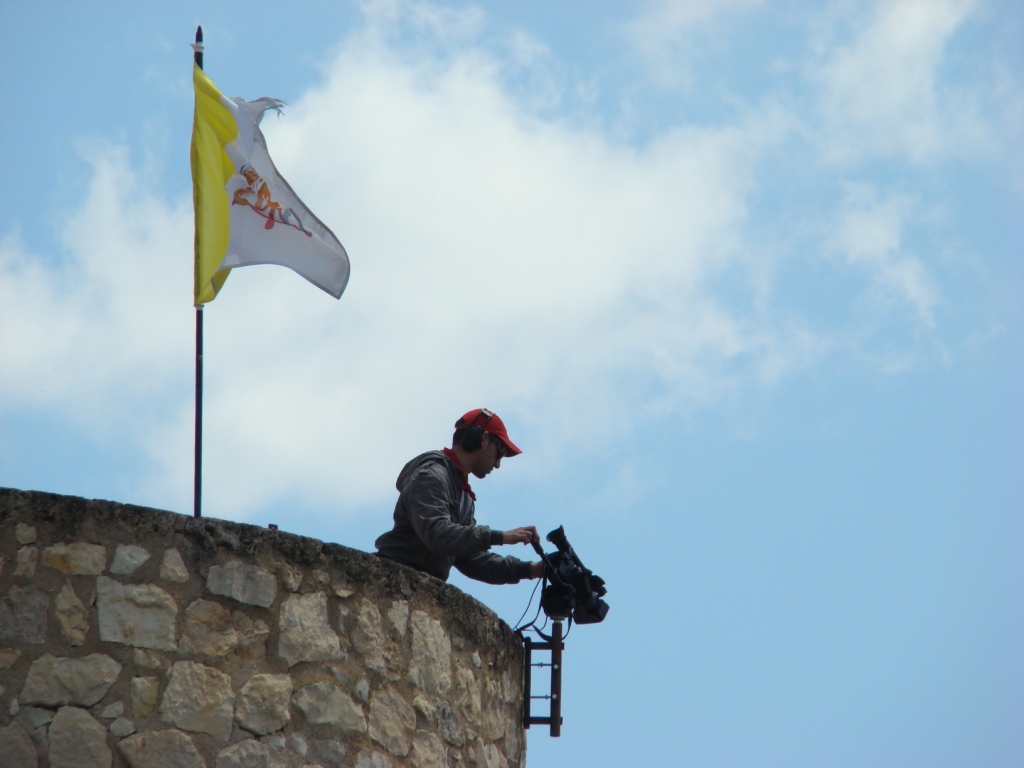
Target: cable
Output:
[(568, 629), (526, 610)]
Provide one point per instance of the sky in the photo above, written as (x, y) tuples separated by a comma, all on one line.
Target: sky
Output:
[(742, 278)]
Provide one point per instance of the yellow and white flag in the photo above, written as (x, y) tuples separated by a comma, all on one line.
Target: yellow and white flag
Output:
[(246, 213)]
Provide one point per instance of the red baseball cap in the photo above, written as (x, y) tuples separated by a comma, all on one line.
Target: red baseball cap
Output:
[(491, 424)]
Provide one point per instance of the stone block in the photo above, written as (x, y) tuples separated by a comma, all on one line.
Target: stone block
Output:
[(297, 743), (262, 705), (25, 534), (17, 748), (427, 751), (491, 716), (430, 668), (25, 562), (32, 718), (274, 739), (199, 699), (392, 721), (147, 659), (78, 741), (511, 687), (23, 616), (488, 756), (324, 702), (122, 727), (305, 634), (466, 696), (72, 615), (512, 744), (142, 615), (343, 590), (377, 647), (79, 559), (247, 584), (161, 749), (144, 692), (252, 754), (367, 758), (398, 618), (127, 558), (363, 690), (54, 681), (449, 726), (209, 628), (426, 708), (252, 638), (35, 721), (172, 567), (326, 751), (111, 711)]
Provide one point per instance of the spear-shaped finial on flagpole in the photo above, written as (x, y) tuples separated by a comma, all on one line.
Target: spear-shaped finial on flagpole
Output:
[(197, 46)]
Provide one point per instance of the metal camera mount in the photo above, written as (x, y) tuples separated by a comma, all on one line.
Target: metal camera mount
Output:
[(570, 592)]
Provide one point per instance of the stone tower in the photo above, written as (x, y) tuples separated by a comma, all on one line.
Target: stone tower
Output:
[(143, 638)]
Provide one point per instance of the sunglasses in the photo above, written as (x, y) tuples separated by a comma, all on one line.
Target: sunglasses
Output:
[(501, 447)]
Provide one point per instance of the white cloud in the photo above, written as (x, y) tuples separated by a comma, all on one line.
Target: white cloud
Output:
[(498, 259), (72, 337), (882, 94), (870, 236), (441, 24), (662, 30)]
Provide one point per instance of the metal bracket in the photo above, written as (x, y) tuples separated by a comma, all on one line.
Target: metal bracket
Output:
[(555, 646)]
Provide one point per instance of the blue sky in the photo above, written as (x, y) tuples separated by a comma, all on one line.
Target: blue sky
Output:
[(743, 279)]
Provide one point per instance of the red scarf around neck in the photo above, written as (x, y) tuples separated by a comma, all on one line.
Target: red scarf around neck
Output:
[(465, 478)]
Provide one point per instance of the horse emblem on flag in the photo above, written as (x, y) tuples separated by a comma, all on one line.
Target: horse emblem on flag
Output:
[(256, 194)]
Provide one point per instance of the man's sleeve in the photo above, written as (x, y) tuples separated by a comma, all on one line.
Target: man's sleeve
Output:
[(493, 569), (428, 499)]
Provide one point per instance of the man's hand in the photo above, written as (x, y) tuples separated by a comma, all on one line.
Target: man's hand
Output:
[(536, 570), (524, 535)]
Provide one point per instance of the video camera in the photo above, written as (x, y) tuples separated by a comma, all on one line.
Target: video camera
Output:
[(572, 589)]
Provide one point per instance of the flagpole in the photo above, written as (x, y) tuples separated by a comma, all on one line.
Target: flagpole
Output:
[(197, 506), (198, 473)]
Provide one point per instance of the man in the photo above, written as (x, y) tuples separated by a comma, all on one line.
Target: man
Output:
[(435, 526)]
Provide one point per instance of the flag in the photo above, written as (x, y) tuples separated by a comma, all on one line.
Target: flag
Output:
[(246, 213)]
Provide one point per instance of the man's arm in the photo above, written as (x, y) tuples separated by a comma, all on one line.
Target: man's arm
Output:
[(494, 569), (525, 535), (428, 501)]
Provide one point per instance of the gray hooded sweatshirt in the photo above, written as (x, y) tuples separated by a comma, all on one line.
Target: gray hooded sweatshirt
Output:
[(435, 528)]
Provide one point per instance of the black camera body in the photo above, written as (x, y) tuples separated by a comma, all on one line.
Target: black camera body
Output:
[(572, 589)]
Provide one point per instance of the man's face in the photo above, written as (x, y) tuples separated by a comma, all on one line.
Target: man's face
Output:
[(489, 456)]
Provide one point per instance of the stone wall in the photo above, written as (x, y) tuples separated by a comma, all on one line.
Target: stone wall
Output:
[(137, 637)]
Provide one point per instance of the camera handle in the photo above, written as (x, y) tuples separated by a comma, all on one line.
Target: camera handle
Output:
[(550, 573)]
